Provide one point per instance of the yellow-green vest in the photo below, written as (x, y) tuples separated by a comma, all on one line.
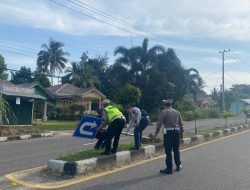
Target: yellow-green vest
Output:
[(113, 113)]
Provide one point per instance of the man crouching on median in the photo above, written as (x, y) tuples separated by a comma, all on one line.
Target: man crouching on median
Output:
[(116, 122), (173, 132)]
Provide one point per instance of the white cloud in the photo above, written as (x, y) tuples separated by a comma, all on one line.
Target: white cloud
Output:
[(213, 18), (15, 62)]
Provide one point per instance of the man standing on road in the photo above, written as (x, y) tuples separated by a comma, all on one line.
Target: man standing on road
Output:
[(140, 120), (173, 132), (116, 122)]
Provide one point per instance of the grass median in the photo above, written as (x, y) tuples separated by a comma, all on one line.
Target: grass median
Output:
[(91, 153), (126, 146)]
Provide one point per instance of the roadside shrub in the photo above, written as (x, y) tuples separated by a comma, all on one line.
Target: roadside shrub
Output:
[(188, 115), (53, 115), (184, 105), (76, 109), (210, 113), (227, 114)]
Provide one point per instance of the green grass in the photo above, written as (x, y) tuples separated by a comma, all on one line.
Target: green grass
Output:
[(91, 153), (43, 127), (53, 125)]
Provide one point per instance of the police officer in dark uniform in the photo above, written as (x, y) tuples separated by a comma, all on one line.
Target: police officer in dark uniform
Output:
[(173, 132)]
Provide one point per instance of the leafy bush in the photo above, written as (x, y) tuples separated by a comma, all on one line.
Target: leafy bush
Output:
[(77, 108), (227, 114), (53, 115), (128, 94), (7, 115), (188, 115), (210, 113), (185, 104)]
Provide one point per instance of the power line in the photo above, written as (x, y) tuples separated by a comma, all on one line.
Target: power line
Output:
[(18, 49), (79, 12), (106, 15), (241, 61), (215, 72), (181, 46), (12, 52), (16, 44)]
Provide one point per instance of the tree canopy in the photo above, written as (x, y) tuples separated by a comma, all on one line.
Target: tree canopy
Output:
[(3, 67)]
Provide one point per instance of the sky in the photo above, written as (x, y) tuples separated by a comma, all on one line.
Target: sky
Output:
[(197, 30)]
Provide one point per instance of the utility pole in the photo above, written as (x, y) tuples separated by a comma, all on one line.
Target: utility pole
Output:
[(223, 83)]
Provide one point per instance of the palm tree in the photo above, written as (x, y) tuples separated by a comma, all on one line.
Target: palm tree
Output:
[(81, 74), (129, 59), (148, 57), (194, 82), (72, 73), (52, 58)]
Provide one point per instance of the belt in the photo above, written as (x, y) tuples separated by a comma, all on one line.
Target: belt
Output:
[(172, 128)]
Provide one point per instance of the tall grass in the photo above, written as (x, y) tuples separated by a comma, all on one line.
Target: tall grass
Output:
[(7, 115)]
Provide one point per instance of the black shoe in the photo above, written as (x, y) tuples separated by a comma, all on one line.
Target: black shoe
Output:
[(166, 171), (179, 168)]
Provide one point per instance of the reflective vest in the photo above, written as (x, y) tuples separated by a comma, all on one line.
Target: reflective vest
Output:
[(113, 113)]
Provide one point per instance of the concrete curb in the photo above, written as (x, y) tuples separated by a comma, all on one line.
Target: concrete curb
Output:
[(120, 158), (26, 137), (84, 166), (56, 165)]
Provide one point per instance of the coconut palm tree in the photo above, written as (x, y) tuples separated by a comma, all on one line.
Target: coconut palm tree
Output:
[(52, 58), (148, 57), (81, 74), (194, 82), (129, 58), (72, 73)]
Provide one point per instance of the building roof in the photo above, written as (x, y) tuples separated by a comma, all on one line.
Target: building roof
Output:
[(24, 95), (69, 90), (10, 89), (33, 85), (28, 85), (247, 101)]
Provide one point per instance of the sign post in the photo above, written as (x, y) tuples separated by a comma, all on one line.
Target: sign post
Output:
[(87, 127)]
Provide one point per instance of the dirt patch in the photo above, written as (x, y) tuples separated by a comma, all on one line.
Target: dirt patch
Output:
[(12, 131)]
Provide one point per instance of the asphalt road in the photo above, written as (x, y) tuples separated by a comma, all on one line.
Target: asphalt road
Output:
[(224, 165), (19, 155)]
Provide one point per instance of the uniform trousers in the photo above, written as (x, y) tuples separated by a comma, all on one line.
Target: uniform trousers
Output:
[(172, 143), (114, 131)]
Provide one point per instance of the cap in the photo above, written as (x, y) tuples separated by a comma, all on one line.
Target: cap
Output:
[(168, 101), (106, 102)]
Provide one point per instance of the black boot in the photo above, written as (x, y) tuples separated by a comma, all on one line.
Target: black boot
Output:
[(166, 171)]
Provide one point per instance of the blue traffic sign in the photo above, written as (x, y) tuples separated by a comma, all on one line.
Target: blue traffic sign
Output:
[(87, 127)]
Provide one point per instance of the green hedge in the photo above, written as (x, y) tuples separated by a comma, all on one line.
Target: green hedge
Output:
[(203, 114)]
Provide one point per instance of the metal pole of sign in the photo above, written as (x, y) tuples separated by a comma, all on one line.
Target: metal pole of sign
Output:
[(130, 134)]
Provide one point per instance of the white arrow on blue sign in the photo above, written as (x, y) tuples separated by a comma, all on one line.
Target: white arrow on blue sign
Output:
[(87, 127)]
